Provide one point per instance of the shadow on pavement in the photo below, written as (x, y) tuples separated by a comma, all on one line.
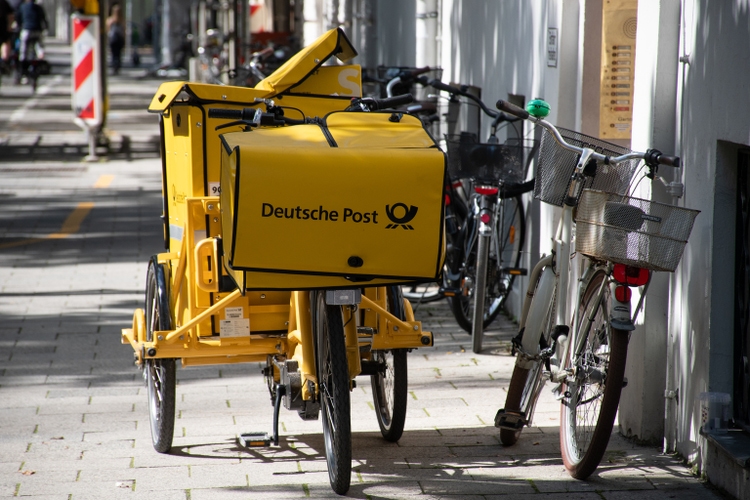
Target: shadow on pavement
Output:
[(113, 230), (124, 148)]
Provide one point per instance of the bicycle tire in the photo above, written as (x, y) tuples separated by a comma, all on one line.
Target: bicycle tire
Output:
[(526, 383), (390, 387), (159, 374), (588, 410), (511, 247), (333, 383)]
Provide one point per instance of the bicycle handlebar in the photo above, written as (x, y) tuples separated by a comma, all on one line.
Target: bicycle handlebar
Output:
[(460, 91), (373, 104), (512, 109), (407, 76), (447, 88), (232, 114), (655, 156), (652, 157), (252, 117), (410, 73)]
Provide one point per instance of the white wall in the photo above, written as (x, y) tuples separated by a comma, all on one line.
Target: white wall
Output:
[(715, 105), (654, 126)]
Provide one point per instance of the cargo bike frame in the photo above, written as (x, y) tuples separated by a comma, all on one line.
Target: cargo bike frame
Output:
[(315, 332)]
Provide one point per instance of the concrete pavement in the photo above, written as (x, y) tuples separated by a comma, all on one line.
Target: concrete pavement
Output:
[(75, 239)]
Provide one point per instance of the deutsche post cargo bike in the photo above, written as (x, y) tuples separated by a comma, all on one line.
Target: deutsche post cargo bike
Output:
[(289, 223)]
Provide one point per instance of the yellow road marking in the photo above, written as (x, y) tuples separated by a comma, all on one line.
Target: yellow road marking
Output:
[(104, 181), (71, 225)]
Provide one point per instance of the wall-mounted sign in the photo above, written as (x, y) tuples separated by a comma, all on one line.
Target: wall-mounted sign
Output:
[(552, 47), (617, 68)]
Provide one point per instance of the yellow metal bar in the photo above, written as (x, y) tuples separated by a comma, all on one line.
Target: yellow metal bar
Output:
[(294, 337), (408, 311), (163, 258), (207, 347), (224, 360), (416, 327), (393, 333), (352, 343), (205, 314), (179, 273), (301, 305)]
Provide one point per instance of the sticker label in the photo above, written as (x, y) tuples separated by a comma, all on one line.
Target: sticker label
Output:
[(214, 188), (234, 325), (233, 313)]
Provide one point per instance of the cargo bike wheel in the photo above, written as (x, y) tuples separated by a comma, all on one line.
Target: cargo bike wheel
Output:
[(390, 384), (159, 374), (333, 387)]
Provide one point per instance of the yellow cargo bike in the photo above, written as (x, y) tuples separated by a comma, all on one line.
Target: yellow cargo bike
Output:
[(289, 223)]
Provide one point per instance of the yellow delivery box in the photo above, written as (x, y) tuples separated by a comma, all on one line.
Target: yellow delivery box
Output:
[(356, 199)]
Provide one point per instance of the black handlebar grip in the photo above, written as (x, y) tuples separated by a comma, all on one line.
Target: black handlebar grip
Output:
[(512, 109), (229, 114), (419, 71), (444, 87), (232, 114), (422, 80), (671, 161), (391, 102)]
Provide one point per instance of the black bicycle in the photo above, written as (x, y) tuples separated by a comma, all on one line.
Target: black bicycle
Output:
[(487, 225)]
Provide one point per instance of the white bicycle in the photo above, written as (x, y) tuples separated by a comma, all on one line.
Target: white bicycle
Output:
[(622, 240)]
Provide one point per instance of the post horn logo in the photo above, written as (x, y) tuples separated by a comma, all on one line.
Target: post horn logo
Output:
[(402, 221)]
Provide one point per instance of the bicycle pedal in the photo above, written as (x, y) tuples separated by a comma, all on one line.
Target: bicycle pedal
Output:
[(510, 420), (450, 292), (254, 439), (516, 271)]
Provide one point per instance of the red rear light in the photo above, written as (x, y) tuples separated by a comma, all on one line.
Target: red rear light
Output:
[(629, 275), (485, 190), (623, 293), (485, 218)]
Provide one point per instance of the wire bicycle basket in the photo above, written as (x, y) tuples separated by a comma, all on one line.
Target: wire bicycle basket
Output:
[(484, 162), (555, 167), (632, 231)]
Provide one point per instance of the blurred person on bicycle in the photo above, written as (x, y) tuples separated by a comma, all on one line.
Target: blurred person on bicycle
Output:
[(31, 21)]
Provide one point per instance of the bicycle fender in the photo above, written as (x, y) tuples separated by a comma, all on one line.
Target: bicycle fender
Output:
[(620, 315), (536, 319)]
